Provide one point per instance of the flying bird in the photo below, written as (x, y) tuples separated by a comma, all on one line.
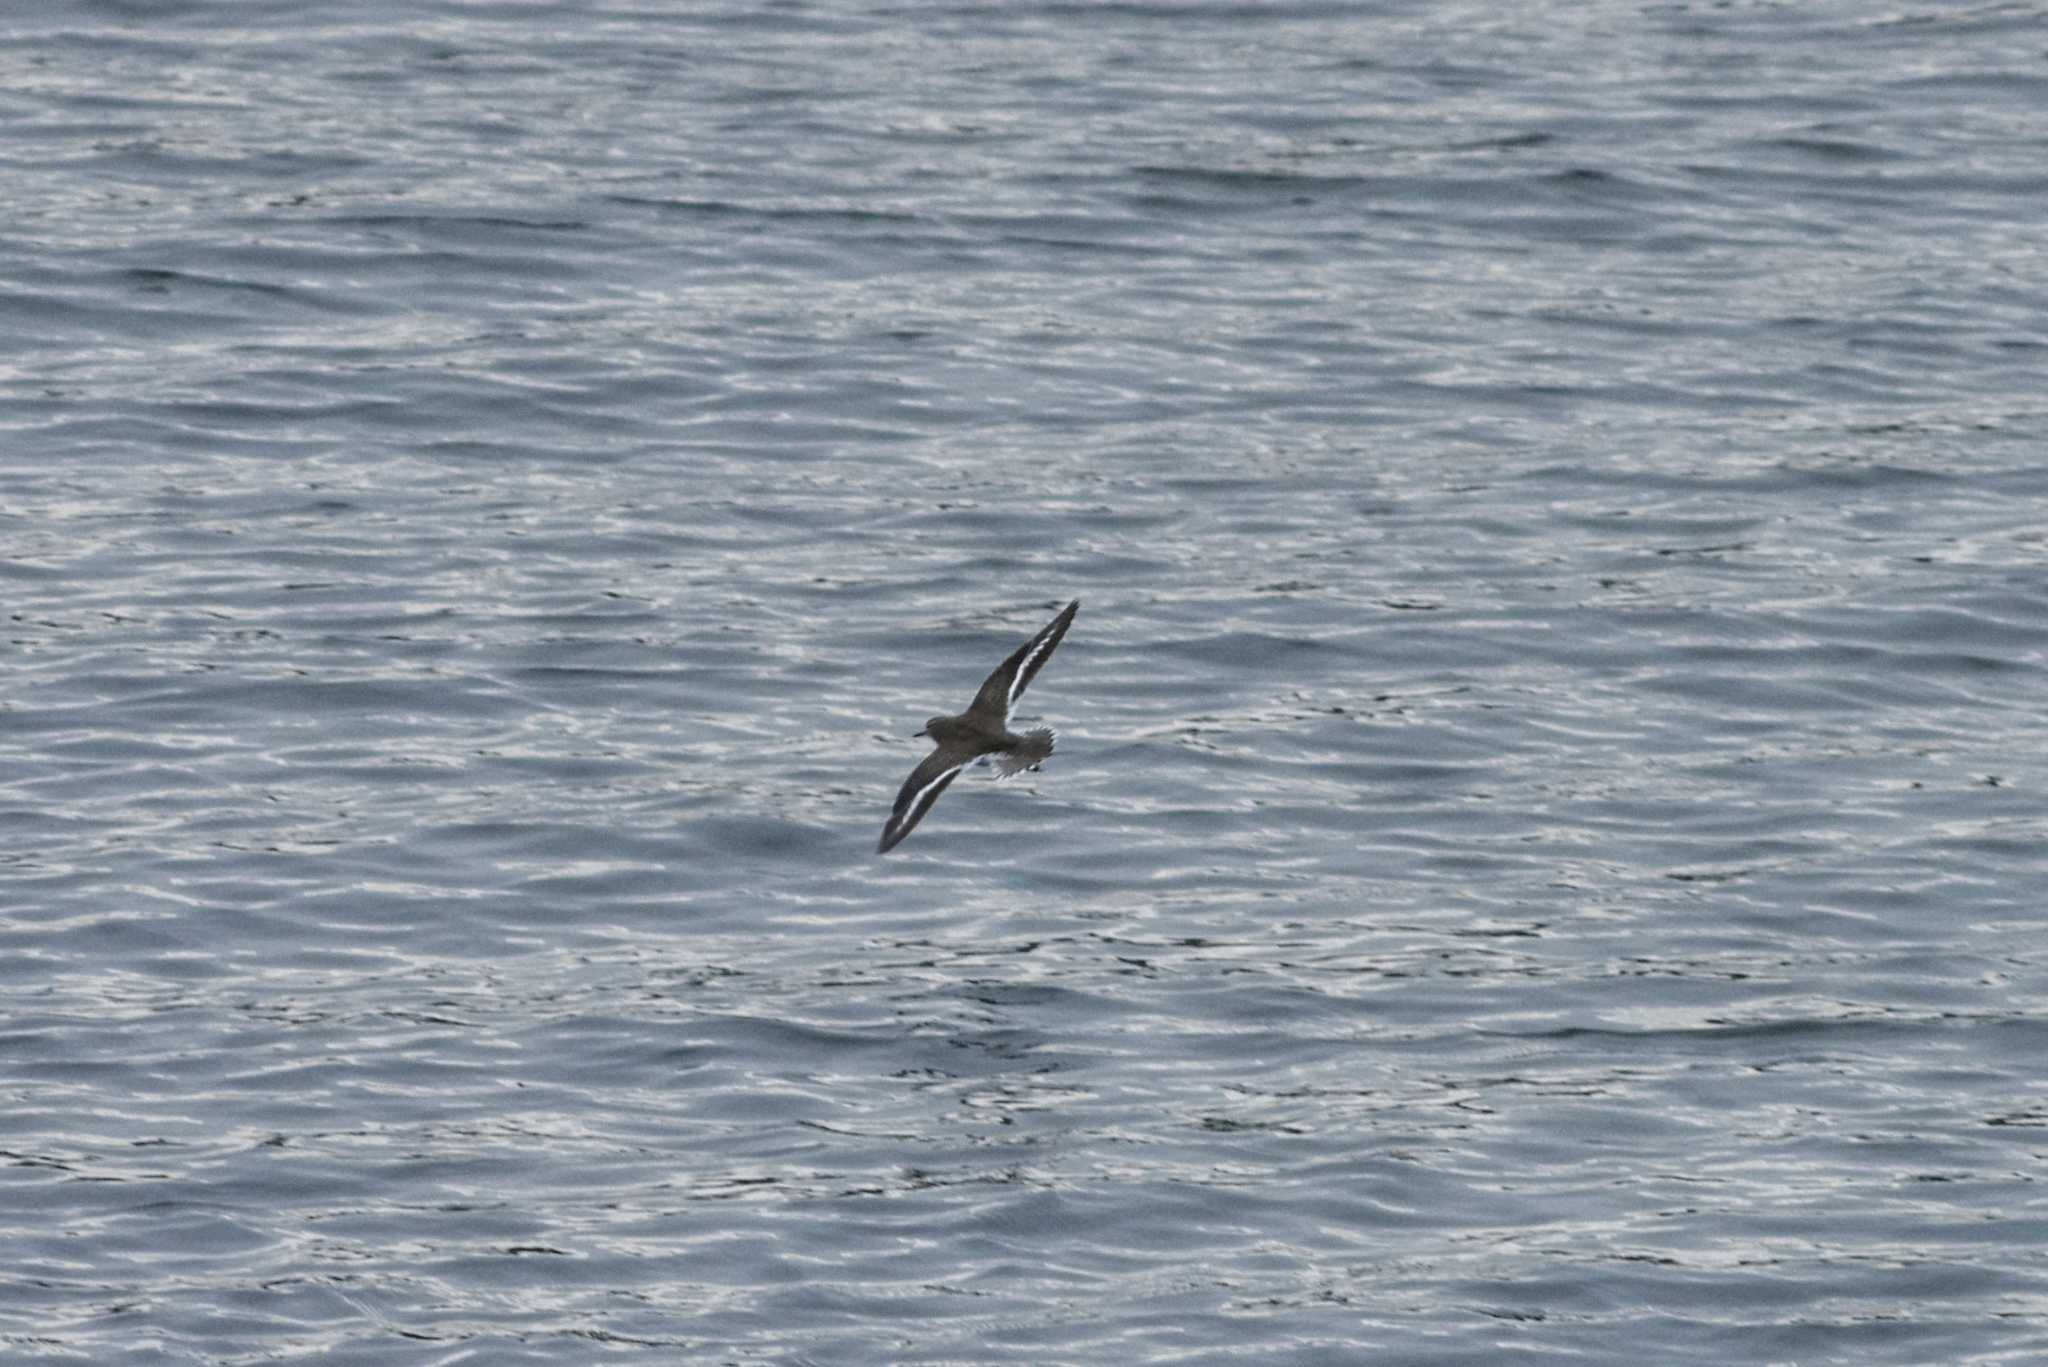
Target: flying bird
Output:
[(983, 729)]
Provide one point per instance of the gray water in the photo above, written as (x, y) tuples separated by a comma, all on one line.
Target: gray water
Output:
[(1544, 861)]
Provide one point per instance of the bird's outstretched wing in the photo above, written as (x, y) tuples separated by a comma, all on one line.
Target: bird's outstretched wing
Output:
[(920, 791), (1002, 689)]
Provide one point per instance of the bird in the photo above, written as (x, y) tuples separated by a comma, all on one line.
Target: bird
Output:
[(982, 730)]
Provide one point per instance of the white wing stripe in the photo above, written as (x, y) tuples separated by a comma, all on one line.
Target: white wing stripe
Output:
[(910, 813), (1024, 665)]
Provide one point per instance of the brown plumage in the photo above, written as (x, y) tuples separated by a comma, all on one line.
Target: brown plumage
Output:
[(983, 729)]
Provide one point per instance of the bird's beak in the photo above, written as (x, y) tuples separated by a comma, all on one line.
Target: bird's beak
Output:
[(915, 734)]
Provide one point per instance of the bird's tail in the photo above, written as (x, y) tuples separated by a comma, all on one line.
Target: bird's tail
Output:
[(1031, 750)]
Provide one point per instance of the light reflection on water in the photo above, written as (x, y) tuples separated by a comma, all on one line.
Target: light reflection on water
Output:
[(1544, 848)]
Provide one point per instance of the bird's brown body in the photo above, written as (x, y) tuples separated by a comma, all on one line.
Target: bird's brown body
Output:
[(982, 730)]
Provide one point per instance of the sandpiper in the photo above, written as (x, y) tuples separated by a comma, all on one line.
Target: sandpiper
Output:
[(983, 729)]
